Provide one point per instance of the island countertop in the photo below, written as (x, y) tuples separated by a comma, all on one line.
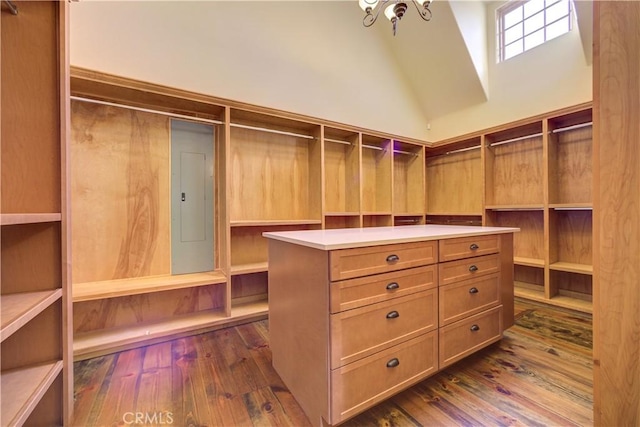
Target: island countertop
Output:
[(373, 236)]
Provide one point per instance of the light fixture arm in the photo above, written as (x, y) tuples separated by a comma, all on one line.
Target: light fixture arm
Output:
[(370, 18), (425, 12)]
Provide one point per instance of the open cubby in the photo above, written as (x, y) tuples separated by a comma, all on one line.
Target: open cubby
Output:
[(472, 220), (571, 241), (529, 281), (528, 244), (249, 287), (408, 219), (455, 171), (408, 178), (249, 249), (275, 169), (341, 171), (341, 221), (571, 290), (377, 220), (514, 167), (376, 175)]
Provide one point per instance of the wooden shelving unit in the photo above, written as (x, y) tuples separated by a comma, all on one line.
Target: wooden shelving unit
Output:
[(341, 178), (537, 176), (408, 180), (36, 378)]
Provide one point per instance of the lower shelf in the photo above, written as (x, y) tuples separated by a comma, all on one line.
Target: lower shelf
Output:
[(558, 300), (22, 389), (93, 344)]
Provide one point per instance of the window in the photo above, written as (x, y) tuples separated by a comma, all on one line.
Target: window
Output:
[(522, 25)]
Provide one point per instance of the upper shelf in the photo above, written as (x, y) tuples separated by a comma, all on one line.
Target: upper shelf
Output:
[(272, 222)]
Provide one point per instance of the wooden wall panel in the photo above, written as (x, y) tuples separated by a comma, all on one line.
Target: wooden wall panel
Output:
[(616, 212), (573, 169), (517, 173), (269, 176), (454, 183), (120, 193)]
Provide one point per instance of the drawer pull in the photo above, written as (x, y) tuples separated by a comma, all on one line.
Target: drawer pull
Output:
[(474, 247), (473, 290), (393, 363), (393, 315), (393, 285), (474, 328), (473, 268), (393, 258)]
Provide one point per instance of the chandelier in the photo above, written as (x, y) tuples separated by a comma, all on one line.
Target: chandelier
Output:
[(393, 9)]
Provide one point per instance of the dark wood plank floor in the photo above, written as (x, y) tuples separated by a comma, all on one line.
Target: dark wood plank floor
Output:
[(540, 374)]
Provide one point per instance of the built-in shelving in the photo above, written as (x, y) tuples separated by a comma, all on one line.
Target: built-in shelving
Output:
[(29, 218), (20, 308)]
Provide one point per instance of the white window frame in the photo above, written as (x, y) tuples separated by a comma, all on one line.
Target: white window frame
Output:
[(512, 5)]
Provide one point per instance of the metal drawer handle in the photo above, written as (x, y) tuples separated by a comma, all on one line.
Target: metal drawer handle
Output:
[(474, 247), (392, 286), (473, 290), (474, 328), (393, 315), (393, 363), (473, 268), (393, 258)]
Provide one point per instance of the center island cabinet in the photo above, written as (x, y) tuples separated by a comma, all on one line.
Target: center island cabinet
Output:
[(357, 315)]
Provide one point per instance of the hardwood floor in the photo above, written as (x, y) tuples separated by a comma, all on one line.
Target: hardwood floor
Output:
[(539, 374)]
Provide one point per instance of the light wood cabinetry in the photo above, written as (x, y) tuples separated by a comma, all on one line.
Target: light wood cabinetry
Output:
[(381, 316), (37, 372), (274, 171), (536, 175)]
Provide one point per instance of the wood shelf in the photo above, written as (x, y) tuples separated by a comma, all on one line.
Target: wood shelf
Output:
[(572, 267), (21, 390), (93, 344), (558, 300), (571, 206), (454, 213), (528, 262), (342, 214), (18, 309), (257, 267), (272, 222), (534, 207), (141, 285), (29, 218)]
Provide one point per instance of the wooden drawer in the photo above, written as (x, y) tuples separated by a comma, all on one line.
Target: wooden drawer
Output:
[(349, 263), (362, 384), (455, 271), (363, 331), (463, 299), (462, 338), (465, 247), (354, 293)]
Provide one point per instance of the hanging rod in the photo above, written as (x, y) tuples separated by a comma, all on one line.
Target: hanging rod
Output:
[(145, 110), (579, 126), (372, 147), (279, 132), (408, 153), (12, 7), (461, 150), (520, 138), (337, 141)]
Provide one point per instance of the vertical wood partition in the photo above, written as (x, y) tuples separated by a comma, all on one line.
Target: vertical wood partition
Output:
[(616, 180)]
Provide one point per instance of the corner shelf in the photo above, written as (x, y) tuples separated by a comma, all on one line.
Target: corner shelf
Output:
[(571, 267), (23, 388)]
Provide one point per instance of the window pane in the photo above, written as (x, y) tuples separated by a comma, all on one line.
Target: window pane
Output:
[(557, 29), (513, 49), (533, 6), (513, 34), (557, 11), (513, 17), (534, 23), (533, 40)]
